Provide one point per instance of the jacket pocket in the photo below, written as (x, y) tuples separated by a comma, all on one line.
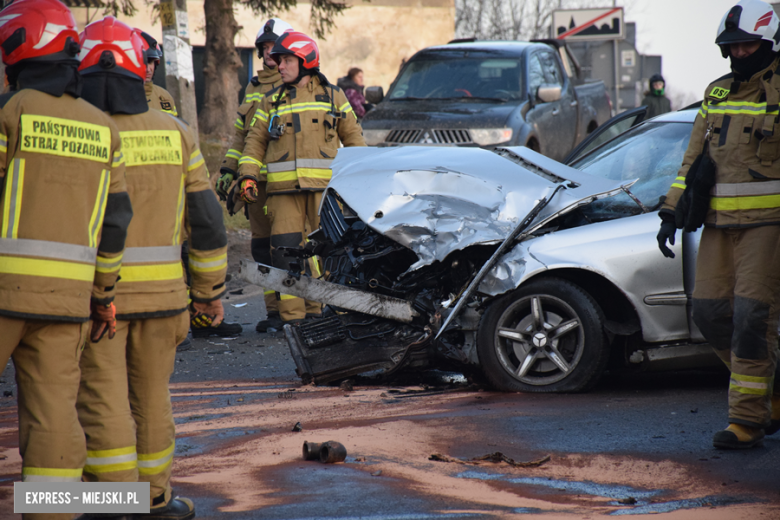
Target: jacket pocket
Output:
[(769, 147)]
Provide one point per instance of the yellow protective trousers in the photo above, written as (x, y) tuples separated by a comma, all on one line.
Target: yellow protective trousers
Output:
[(736, 306), (261, 240), (124, 405), (289, 214), (46, 358)]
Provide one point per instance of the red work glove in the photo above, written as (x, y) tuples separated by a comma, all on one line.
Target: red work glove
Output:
[(203, 315), (248, 191), (103, 320)]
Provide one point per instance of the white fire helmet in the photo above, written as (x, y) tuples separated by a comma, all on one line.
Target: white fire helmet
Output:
[(749, 20), (272, 29)]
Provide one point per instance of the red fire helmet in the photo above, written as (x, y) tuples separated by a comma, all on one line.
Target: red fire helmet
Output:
[(37, 29), (109, 45)]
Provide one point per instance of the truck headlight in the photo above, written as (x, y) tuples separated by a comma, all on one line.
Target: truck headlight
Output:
[(487, 136), (374, 137)]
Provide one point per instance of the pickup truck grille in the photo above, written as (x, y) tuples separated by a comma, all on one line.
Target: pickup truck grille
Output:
[(429, 137)]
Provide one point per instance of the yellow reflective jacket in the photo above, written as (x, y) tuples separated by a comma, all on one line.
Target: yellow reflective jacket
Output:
[(265, 81), (741, 121), (314, 118), (160, 99), (64, 208), (169, 188)]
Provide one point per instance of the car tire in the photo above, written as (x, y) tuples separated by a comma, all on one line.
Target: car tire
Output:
[(564, 350)]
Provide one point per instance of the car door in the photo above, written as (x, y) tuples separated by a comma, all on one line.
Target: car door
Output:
[(542, 116), (606, 132), (565, 113)]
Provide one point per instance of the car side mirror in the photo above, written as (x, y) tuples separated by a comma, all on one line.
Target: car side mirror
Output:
[(375, 95), (549, 93)]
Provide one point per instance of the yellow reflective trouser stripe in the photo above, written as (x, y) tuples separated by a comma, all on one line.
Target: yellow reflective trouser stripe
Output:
[(179, 211), (752, 385), (196, 159), (47, 268), (745, 203), (50, 475), (205, 265), (151, 273), (154, 463), (108, 265), (106, 461), (239, 123), (287, 297), (266, 293), (245, 159), (233, 154), (12, 203), (96, 221), (679, 182), (3, 143)]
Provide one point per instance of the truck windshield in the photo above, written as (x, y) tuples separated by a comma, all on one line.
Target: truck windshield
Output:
[(458, 77)]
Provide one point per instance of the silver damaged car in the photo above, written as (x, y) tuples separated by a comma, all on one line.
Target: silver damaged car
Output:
[(537, 272)]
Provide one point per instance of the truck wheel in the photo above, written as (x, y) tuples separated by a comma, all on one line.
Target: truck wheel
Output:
[(547, 336)]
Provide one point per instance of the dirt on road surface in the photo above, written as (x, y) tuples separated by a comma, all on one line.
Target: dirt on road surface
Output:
[(637, 445)]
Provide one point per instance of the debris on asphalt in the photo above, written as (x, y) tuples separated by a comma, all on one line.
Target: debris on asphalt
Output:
[(376, 473), (237, 291), (311, 450), (346, 385), (238, 305), (298, 427), (630, 501), (491, 457), (8, 393), (287, 394), (332, 452)]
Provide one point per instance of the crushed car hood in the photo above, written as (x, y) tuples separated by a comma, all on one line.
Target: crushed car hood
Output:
[(436, 200)]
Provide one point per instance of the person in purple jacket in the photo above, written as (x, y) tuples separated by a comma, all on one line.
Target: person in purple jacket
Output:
[(352, 85)]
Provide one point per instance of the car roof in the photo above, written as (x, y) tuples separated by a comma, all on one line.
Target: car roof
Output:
[(506, 48), (681, 116)]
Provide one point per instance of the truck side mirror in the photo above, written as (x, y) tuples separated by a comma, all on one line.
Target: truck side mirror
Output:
[(549, 93), (375, 94)]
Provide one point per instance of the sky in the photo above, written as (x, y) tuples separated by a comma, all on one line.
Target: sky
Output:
[(683, 32)]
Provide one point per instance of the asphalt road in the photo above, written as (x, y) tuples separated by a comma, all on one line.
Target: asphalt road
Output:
[(637, 444)]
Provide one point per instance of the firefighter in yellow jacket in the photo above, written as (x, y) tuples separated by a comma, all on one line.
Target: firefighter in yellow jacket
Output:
[(64, 212), (157, 97), (295, 133), (266, 80), (730, 182), (169, 188)]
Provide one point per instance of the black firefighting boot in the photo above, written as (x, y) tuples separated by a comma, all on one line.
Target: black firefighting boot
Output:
[(273, 321), (774, 424), (178, 508), (737, 437), (223, 330)]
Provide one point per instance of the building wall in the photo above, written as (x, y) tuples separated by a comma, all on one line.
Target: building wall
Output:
[(375, 36)]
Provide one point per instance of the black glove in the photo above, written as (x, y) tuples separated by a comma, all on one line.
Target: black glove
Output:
[(667, 231)]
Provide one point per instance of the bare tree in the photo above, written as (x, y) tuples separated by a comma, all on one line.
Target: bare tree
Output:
[(510, 19)]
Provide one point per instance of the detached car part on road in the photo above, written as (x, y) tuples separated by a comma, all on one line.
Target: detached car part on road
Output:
[(536, 271)]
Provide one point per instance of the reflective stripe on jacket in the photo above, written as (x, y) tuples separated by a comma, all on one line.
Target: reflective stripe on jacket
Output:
[(160, 99), (169, 188), (64, 209), (743, 118), (315, 118), (265, 81)]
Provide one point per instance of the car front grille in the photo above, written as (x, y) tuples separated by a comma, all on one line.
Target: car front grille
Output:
[(429, 137)]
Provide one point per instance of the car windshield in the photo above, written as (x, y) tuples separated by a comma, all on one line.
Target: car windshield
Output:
[(652, 153), (460, 77)]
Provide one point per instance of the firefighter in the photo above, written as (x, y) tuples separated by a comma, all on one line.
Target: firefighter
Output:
[(730, 182), (296, 133), (266, 80), (64, 213), (157, 97), (123, 404)]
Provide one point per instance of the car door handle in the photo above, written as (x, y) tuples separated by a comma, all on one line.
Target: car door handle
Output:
[(574, 103), (556, 111)]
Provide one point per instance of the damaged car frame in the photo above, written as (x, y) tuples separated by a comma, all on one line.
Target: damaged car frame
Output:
[(435, 257)]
